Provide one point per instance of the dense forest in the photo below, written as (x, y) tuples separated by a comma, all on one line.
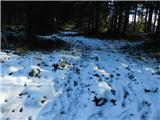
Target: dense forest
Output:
[(115, 17)]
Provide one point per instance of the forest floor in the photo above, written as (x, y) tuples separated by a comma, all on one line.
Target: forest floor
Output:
[(90, 79)]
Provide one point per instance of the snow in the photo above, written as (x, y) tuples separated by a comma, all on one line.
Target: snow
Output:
[(69, 33), (47, 37), (15, 34), (62, 84)]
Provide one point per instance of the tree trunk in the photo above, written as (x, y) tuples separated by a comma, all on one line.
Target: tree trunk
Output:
[(135, 16), (3, 30), (115, 22), (155, 19), (88, 24), (111, 23), (126, 20), (141, 20), (150, 19), (158, 25), (92, 24), (145, 27), (120, 21), (97, 16), (28, 26)]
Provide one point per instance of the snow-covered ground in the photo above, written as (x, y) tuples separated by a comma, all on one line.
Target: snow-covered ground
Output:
[(91, 79)]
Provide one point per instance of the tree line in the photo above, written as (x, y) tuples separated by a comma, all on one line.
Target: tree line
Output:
[(88, 16)]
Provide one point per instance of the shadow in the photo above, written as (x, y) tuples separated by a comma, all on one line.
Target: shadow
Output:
[(34, 44), (47, 45)]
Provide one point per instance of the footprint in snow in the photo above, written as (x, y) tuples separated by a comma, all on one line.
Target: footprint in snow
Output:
[(151, 90), (125, 98), (96, 116), (10, 73), (144, 108)]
